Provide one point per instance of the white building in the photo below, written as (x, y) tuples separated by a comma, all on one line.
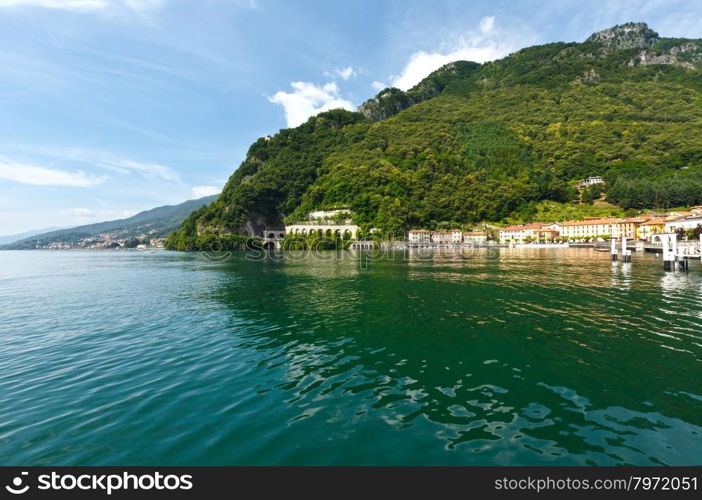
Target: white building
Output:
[(520, 232), (590, 181), (456, 236), (687, 222), (591, 227), (475, 237), (441, 238), (419, 237)]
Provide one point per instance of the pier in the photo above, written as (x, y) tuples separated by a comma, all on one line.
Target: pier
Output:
[(676, 255)]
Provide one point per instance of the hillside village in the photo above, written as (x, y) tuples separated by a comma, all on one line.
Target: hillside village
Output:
[(590, 229), (105, 241), (640, 228), (338, 224)]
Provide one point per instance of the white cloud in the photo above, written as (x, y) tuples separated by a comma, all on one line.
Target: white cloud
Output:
[(88, 215), (345, 73), (150, 171), (136, 6), (308, 99), (202, 191), (487, 25), (378, 85), (484, 44), (42, 176), (108, 161)]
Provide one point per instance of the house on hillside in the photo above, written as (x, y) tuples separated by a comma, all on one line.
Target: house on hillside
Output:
[(591, 181)]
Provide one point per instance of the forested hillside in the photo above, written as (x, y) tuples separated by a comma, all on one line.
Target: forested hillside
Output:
[(486, 142)]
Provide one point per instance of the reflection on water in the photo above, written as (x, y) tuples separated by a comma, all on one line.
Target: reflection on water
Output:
[(523, 356)]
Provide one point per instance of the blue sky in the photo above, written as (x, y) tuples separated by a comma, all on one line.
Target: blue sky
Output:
[(110, 107)]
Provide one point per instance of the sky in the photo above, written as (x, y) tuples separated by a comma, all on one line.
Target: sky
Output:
[(110, 107)]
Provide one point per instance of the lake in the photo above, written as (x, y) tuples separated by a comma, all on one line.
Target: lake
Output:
[(506, 357)]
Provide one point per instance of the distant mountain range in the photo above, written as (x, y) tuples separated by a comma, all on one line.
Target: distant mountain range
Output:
[(155, 223), (11, 238)]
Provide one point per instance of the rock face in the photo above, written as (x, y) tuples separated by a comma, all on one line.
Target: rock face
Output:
[(646, 58), (390, 101), (654, 50), (626, 36), (590, 76), (687, 48)]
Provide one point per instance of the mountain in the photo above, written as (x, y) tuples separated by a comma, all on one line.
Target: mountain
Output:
[(6, 240), (391, 101), (486, 142), (155, 223)]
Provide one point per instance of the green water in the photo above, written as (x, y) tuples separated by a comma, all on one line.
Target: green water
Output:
[(551, 356)]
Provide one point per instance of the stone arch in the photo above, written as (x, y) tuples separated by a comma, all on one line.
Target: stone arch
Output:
[(271, 236)]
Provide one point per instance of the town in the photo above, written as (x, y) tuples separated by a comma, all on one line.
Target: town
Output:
[(590, 230), (106, 241)]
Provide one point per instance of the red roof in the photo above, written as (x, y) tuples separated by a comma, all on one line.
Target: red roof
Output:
[(521, 227)]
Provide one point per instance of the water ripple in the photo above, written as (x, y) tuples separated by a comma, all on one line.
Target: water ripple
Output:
[(535, 357)]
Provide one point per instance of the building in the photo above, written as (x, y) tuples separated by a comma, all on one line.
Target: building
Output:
[(475, 237), (456, 236), (525, 232), (321, 223), (590, 181), (441, 238), (591, 227), (650, 227), (157, 242), (546, 234), (601, 227), (346, 231), (419, 237), (687, 222), (626, 228)]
